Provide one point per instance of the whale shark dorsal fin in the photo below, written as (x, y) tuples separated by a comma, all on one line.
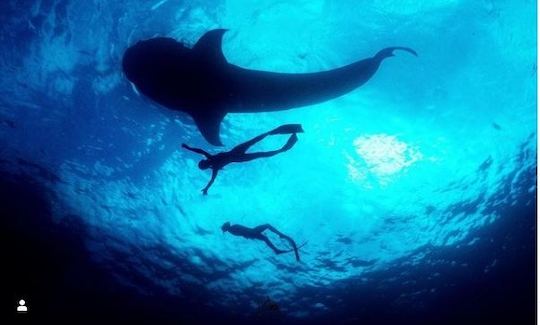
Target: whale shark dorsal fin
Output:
[(209, 123), (209, 45)]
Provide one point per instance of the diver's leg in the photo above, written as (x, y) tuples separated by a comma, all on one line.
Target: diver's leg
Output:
[(265, 154), (283, 129), (287, 129), (261, 228), (290, 142), (281, 235), (274, 248), (257, 155), (295, 248), (243, 147), (267, 226)]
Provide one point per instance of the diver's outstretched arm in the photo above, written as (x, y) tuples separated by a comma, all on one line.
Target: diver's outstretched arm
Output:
[(196, 150), (214, 174)]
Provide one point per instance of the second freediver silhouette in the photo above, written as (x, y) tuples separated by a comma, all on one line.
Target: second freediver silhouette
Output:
[(200, 81), (239, 153), (257, 233)]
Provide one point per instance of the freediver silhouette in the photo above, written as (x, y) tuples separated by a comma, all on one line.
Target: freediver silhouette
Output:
[(257, 233), (239, 153), (200, 81)]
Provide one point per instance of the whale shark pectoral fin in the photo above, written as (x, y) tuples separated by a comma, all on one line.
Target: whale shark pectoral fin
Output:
[(209, 124), (209, 45)]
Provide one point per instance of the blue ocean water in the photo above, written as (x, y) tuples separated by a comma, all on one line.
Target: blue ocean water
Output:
[(409, 191)]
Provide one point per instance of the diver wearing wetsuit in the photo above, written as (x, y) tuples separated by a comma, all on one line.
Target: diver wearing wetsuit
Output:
[(257, 233), (238, 153)]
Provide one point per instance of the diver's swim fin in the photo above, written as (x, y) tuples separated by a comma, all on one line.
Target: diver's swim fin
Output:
[(290, 143), (294, 247), (287, 129)]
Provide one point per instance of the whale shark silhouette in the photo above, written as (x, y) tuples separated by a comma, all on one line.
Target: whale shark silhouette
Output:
[(200, 81)]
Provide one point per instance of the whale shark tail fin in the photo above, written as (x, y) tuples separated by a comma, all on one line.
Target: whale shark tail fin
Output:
[(389, 51)]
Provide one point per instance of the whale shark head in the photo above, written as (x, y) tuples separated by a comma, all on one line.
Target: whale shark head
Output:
[(151, 64), (182, 78)]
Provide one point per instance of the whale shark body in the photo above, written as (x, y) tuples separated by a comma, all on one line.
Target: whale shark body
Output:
[(200, 81)]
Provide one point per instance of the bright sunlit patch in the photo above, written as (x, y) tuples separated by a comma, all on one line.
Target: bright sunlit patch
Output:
[(383, 155)]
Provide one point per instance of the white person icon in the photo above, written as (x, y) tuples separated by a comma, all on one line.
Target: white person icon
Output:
[(22, 308)]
